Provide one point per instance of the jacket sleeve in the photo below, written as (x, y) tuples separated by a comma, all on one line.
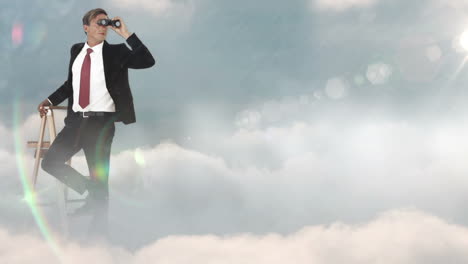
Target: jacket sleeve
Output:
[(64, 91), (139, 57)]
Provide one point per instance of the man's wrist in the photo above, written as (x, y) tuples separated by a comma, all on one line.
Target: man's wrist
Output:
[(126, 35)]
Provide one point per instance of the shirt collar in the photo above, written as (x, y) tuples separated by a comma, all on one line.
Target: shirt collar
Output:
[(96, 49)]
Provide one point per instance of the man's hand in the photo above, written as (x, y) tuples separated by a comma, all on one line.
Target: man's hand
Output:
[(41, 107), (122, 30)]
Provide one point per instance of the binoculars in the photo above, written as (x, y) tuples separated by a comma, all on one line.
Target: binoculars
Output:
[(109, 22)]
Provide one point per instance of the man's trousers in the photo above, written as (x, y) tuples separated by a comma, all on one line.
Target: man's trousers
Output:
[(94, 135)]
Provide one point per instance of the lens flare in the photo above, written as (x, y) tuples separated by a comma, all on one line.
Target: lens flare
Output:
[(464, 40), (35, 35), (378, 73), (17, 34), (336, 88), (101, 171), (29, 194), (140, 158)]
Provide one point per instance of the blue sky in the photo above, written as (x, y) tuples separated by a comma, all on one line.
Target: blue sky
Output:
[(232, 55), (263, 124)]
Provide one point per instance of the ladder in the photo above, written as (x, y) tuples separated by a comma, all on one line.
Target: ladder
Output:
[(41, 148)]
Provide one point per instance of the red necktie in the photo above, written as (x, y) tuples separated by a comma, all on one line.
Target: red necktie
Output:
[(84, 80)]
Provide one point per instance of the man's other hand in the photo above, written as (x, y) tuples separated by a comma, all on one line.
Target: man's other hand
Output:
[(41, 107)]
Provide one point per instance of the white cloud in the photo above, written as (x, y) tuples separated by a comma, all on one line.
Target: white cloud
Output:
[(157, 7), (7, 138), (398, 236), (451, 4), (341, 5), (341, 164), (249, 119), (163, 162)]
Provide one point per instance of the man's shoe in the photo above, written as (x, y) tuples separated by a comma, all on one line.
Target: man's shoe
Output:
[(89, 207), (95, 200)]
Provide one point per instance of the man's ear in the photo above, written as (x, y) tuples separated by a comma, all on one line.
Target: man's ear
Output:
[(85, 28)]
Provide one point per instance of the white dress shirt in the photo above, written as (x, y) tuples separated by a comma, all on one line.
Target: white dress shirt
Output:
[(100, 99)]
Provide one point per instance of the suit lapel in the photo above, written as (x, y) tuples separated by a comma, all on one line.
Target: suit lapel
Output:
[(107, 61), (75, 53)]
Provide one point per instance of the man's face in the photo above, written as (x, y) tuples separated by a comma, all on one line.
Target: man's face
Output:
[(96, 33)]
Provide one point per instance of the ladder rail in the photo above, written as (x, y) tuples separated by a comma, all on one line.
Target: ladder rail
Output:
[(38, 150)]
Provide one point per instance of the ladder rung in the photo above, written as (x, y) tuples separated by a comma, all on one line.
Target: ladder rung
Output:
[(33, 144)]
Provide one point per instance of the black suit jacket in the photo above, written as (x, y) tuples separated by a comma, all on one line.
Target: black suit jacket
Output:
[(117, 60)]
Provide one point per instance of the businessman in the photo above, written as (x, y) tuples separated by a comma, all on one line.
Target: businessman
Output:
[(99, 95)]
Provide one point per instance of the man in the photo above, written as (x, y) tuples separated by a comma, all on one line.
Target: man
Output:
[(98, 95)]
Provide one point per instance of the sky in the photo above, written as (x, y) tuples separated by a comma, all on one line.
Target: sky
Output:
[(303, 131)]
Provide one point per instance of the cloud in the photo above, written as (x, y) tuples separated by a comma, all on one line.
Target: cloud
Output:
[(7, 137), (341, 5), (39, 249), (397, 236), (312, 164), (157, 7), (452, 4)]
